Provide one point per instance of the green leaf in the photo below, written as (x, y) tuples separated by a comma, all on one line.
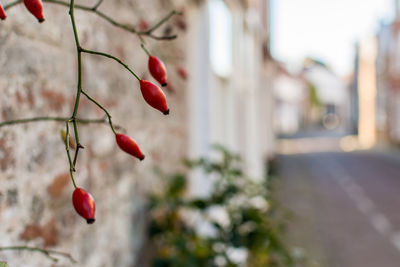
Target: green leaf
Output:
[(199, 204), (3, 264), (177, 185)]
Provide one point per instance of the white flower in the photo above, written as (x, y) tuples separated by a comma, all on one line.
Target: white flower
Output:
[(206, 229), (260, 203), (219, 214), (237, 255), (220, 261), (190, 216)]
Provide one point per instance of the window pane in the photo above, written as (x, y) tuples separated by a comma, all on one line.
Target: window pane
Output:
[(220, 38)]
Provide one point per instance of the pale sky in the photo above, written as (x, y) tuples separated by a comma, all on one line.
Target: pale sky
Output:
[(326, 29)]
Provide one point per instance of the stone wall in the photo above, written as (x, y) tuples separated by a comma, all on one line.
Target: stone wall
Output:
[(38, 78)]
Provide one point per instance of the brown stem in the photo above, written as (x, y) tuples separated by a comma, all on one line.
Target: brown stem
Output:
[(45, 252), (103, 108), (59, 119), (96, 6), (112, 21)]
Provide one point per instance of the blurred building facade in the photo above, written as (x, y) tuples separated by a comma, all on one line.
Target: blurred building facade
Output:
[(290, 95), (327, 96), (377, 84), (230, 99), (388, 82), (366, 82), (315, 98)]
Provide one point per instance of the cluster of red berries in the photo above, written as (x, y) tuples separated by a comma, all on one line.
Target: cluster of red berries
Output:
[(82, 200), (33, 6)]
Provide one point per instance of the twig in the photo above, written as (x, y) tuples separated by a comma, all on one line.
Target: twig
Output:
[(162, 21), (71, 164), (12, 4), (112, 57), (109, 19), (59, 119), (101, 107), (161, 38), (96, 6), (79, 86), (145, 49), (45, 252)]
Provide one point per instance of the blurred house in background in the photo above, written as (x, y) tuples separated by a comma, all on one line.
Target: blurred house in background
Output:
[(353, 95), (328, 96), (315, 98), (230, 97), (375, 90), (365, 73), (290, 94), (376, 86), (388, 82)]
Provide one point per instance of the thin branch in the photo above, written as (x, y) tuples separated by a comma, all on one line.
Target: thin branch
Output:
[(96, 6), (162, 21), (71, 164), (112, 57), (101, 107), (109, 19), (12, 4), (76, 157), (162, 38), (79, 86), (59, 119), (145, 49), (45, 252)]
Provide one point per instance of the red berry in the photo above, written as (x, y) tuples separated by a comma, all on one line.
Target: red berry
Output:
[(182, 72), (129, 145), (154, 96), (84, 204), (143, 25), (180, 22), (157, 70), (2, 13), (36, 8)]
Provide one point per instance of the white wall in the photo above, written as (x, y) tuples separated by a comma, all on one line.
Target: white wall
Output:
[(229, 108)]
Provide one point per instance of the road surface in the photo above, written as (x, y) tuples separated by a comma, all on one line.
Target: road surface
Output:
[(345, 207)]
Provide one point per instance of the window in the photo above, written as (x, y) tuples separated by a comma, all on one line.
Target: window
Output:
[(220, 38)]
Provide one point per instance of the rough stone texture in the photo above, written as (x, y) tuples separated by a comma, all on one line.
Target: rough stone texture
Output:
[(38, 78)]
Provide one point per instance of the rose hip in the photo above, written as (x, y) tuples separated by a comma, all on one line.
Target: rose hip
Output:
[(84, 204), (36, 8), (129, 145), (157, 70), (3, 15), (154, 96)]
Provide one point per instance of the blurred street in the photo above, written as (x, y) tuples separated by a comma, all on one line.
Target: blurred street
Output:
[(344, 206)]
